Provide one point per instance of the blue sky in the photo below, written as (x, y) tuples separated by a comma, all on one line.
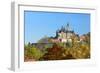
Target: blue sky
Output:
[(40, 24)]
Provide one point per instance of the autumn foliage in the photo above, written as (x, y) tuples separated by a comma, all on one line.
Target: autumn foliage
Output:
[(58, 51)]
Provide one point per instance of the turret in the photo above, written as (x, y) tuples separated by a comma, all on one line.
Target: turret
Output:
[(67, 28)]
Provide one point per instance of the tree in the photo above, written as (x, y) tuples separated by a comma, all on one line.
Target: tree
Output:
[(32, 53), (54, 53)]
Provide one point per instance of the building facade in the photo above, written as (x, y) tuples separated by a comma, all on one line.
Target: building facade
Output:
[(64, 34)]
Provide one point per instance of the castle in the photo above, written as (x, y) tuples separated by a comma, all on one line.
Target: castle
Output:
[(64, 34)]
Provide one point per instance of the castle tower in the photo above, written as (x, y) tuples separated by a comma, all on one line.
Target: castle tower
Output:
[(68, 27)]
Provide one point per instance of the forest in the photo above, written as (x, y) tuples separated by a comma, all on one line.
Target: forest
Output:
[(57, 51)]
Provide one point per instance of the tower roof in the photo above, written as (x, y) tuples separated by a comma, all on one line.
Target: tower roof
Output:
[(68, 27), (65, 29)]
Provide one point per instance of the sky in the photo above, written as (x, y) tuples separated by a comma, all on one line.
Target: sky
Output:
[(39, 24)]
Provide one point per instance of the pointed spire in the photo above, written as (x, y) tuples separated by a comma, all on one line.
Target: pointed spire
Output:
[(67, 27), (67, 24), (62, 28)]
